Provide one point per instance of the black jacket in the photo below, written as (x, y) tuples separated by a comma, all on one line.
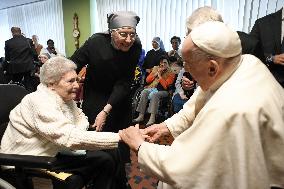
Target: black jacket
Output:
[(19, 54), (152, 58), (251, 45), (268, 31), (109, 75)]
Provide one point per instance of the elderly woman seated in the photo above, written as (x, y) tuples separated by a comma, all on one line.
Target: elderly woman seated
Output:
[(158, 82), (35, 73), (48, 121)]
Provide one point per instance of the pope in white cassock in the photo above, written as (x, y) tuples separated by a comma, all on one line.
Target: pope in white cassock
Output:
[(230, 133)]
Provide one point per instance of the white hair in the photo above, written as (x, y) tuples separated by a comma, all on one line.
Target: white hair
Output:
[(202, 15), (52, 71)]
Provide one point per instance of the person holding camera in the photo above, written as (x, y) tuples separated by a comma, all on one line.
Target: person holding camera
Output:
[(184, 87), (50, 49), (158, 82), (175, 52)]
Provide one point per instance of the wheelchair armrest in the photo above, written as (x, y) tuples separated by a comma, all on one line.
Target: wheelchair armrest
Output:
[(27, 161), (42, 162)]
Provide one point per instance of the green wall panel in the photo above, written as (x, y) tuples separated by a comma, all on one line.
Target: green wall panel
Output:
[(82, 8)]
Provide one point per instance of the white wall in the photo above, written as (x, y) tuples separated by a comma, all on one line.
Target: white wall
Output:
[(165, 18), (44, 19)]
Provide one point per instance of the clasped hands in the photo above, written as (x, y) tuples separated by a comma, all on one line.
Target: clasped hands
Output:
[(159, 72), (187, 84), (134, 137)]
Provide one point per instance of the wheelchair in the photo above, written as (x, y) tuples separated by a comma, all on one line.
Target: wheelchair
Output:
[(165, 109), (165, 106), (20, 169)]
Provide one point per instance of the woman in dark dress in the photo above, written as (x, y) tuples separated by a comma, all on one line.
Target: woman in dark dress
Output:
[(111, 57)]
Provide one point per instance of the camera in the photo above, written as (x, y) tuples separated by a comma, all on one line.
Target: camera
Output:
[(189, 92), (53, 50)]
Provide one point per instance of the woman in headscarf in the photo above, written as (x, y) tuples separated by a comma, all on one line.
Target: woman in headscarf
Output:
[(112, 57), (152, 57)]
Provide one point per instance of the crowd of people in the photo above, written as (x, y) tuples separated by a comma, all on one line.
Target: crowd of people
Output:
[(228, 122), (23, 58)]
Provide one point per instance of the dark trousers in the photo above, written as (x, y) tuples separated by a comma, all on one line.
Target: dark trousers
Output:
[(25, 79), (97, 169)]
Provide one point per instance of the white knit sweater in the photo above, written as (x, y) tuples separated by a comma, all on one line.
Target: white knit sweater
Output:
[(43, 124)]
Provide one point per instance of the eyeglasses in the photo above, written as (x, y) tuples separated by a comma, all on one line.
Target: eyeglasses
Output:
[(124, 35)]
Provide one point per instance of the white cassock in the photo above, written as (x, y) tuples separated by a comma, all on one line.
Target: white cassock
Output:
[(235, 141)]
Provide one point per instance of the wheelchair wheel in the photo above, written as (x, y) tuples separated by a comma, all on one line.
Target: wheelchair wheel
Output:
[(17, 83), (5, 185), (135, 101)]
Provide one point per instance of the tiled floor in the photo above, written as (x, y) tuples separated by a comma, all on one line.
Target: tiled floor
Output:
[(136, 178)]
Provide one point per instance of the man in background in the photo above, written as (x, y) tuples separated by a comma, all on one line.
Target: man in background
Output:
[(19, 53), (250, 44), (269, 30)]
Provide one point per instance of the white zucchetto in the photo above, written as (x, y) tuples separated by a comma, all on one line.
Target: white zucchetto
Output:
[(217, 39)]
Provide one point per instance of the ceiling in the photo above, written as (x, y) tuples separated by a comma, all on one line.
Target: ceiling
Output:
[(12, 3)]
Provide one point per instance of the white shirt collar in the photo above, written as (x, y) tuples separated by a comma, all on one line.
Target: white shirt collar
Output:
[(156, 49)]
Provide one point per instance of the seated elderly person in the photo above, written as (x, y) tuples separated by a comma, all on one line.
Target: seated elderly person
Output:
[(48, 121), (158, 82), (35, 73), (230, 133)]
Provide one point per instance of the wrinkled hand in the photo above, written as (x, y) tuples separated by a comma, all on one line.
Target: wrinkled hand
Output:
[(279, 59), (100, 121), (186, 83), (154, 132), (132, 136)]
